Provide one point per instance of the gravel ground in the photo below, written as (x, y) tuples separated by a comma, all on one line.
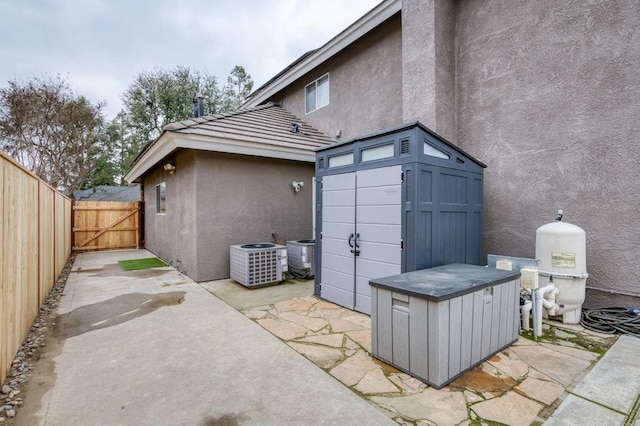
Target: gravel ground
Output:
[(13, 389)]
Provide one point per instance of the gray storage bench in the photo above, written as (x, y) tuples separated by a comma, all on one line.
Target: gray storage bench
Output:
[(437, 323)]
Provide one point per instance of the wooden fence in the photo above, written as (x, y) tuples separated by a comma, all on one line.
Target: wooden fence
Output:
[(107, 225), (35, 243)]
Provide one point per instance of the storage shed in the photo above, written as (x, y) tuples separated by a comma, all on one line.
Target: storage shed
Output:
[(399, 200)]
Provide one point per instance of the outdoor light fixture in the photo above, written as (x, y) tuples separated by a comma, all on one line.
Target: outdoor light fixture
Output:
[(170, 167), (297, 185)]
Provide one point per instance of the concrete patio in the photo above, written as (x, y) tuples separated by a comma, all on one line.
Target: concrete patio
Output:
[(153, 347)]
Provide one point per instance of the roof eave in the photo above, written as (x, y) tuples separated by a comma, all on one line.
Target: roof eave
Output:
[(368, 22), (171, 141)]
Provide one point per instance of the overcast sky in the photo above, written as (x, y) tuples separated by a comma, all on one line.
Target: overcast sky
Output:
[(100, 46)]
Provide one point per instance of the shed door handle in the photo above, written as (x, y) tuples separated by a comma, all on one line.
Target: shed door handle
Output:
[(356, 250), (350, 241)]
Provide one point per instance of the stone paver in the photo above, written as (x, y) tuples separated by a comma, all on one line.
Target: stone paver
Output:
[(375, 382), (511, 409), (333, 340), (540, 390), (340, 324), (572, 352), (509, 363), (559, 366), (285, 331), (323, 357), (361, 337), (313, 324), (441, 407), (513, 387), (353, 369)]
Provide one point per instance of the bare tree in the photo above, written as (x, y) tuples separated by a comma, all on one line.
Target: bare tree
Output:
[(52, 132)]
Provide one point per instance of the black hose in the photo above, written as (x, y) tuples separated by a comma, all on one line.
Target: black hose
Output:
[(611, 321)]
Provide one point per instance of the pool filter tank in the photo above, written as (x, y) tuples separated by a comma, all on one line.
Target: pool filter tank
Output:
[(561, 251)]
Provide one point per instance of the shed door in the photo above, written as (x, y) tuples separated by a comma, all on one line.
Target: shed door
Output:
[(338, 230), (361, 233)]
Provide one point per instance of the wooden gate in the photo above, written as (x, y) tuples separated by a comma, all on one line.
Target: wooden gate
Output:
[(107, 225)]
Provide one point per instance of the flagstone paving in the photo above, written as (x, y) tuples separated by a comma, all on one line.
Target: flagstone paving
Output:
[(519, 386)]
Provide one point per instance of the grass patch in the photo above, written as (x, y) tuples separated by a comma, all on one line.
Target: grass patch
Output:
[(135, 264)]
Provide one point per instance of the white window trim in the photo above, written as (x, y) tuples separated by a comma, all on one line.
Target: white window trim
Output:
[(158, 209), (315, 82)]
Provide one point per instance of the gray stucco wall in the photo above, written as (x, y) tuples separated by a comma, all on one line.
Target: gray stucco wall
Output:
[(243, 199), (428, 64), (365, 86), (172, 236), (547, 96), (215, 200)]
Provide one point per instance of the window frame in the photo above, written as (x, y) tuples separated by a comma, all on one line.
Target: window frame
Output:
[(161, 191), (315, 86)]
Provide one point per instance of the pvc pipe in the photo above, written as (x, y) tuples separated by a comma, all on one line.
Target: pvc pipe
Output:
[(525, 311), (541, 302)]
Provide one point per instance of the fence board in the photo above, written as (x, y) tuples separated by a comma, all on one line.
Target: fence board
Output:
[(47, 241), (4, 302), (106, 225), (35, 243)]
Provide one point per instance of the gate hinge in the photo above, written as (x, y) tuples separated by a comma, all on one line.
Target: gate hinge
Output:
[(401, 244)]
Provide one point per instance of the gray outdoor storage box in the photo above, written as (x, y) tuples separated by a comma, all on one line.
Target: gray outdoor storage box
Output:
[(399, 200), (437, 323)]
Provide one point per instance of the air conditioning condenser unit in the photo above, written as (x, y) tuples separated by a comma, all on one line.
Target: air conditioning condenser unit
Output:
[(258, 264)]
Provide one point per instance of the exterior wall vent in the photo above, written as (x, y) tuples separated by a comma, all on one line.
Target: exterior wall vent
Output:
[(404, 146)]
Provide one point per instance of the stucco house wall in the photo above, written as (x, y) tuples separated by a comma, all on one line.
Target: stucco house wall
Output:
[(172, 236), (545, 93), (365, 86), (215, 199), (547, 96), (232, 184), (244, 199)]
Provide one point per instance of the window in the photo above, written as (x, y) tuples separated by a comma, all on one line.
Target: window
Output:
[(377, 153), (317, 94), (434, 152), (161, 207), (341, 160)]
